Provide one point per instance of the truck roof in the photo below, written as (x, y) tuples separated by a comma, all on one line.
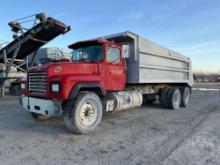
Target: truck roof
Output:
[(90, 42)]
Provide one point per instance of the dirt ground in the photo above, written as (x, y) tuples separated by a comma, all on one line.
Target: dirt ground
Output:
[(146, 135)]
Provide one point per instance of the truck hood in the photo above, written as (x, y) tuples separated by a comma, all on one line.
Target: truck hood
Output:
[(66, 68)]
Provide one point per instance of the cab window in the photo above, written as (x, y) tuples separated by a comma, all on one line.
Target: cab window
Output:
[(92, 53), (113, 55)]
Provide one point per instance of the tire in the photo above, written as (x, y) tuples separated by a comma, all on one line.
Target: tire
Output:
[(186, 96), (84, 114), (39, 116), (15, 89), (149, 99), (175, 97), (169, 95), (163, 97)]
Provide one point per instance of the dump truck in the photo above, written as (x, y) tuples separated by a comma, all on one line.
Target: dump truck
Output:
[(107, 74)]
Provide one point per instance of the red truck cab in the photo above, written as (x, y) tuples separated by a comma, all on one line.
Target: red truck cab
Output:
[(96, 61), (96, 65)]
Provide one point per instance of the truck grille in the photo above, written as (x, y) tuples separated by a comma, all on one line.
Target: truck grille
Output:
[(37, 82)]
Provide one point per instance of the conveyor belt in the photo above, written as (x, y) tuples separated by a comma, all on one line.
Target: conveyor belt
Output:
[(34, 38)]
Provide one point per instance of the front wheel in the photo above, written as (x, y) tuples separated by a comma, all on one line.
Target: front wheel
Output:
[(84, 114)]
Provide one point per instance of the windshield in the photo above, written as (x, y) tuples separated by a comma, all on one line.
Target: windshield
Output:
[(92, 53)]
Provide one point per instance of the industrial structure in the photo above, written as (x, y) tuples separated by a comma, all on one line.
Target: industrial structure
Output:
[(26, 42)]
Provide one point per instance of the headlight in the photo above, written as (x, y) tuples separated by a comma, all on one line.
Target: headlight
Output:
[(22, 85), (55, 88)]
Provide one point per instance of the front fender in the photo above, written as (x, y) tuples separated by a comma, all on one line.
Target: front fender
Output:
[(70, 85), (86, 86)]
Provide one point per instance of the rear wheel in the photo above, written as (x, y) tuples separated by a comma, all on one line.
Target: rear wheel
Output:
[(174, 96), (163, 97), (186, 96), (84, 114)]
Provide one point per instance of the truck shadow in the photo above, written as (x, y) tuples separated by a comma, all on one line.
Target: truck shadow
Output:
[(18, 120), (129, 114)]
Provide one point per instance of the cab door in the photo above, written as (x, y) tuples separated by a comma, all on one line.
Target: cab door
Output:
[(115, 68)]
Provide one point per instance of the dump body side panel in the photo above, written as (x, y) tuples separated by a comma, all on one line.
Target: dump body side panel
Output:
[(158, 64)]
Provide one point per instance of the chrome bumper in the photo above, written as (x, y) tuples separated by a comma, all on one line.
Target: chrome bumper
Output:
[(41, 106)]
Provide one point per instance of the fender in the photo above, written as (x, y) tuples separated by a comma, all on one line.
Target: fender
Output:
[(93, 85)]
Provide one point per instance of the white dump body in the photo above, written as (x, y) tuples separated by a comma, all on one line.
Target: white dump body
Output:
[(148, 62)]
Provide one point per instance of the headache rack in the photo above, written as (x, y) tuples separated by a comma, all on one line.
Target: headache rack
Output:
[(28, 41)]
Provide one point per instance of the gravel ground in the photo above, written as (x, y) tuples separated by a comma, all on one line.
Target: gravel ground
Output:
[(146, 135)]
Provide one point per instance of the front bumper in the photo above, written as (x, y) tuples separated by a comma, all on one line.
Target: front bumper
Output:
[(41, 106)]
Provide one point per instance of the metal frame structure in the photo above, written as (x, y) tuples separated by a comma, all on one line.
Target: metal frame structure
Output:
[(9, 62), (27, 41)]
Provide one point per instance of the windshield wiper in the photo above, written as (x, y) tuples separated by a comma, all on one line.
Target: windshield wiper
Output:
[(81, 60)]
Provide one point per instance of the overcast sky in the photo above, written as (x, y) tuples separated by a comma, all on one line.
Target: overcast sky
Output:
[(191, 27)]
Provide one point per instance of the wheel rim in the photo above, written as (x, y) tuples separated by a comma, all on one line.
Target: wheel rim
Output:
[(88, 113), (176, 99)]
